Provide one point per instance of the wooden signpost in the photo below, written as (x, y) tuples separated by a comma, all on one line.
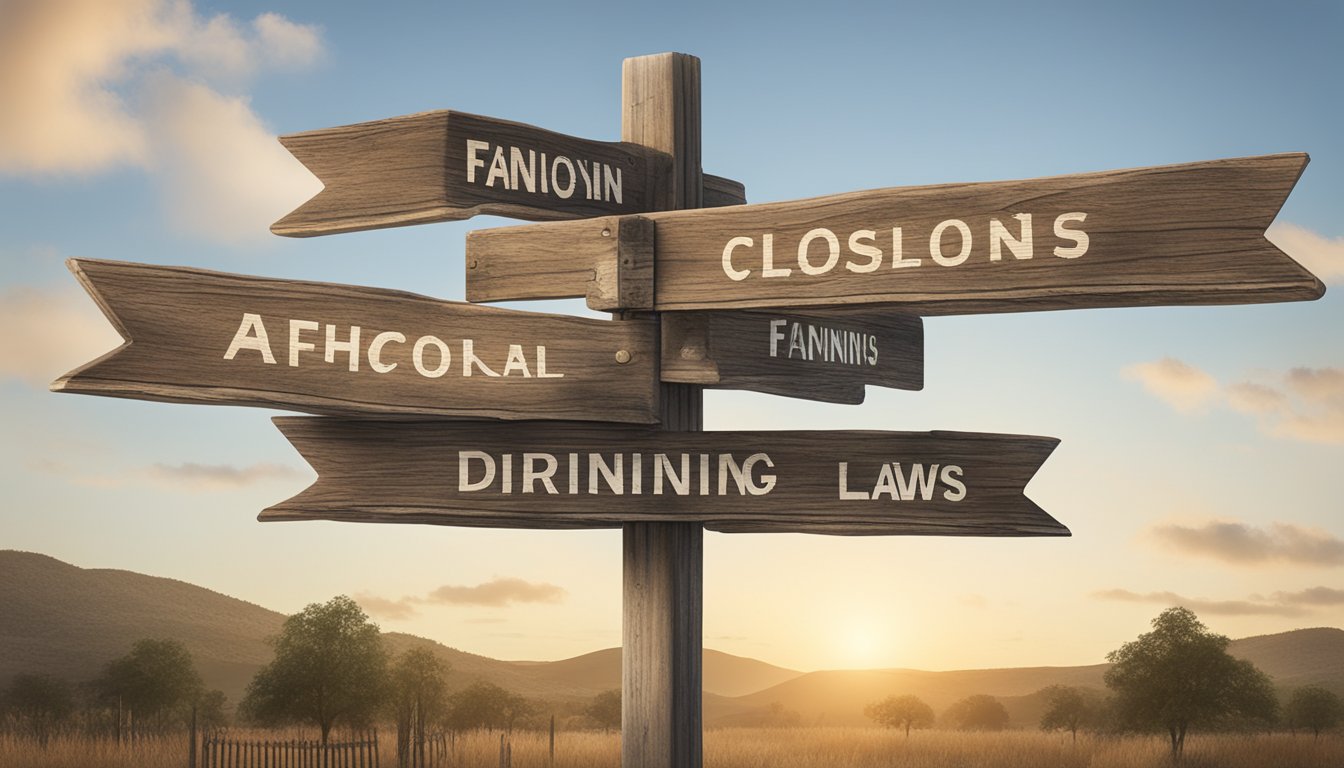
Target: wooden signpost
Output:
[(194, 336), (825, 356), (590, 475), (1181, 234), (835, 287), (448, 166)]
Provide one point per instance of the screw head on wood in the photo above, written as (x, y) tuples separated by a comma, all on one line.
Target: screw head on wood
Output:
[(606, 233), (622, 356)]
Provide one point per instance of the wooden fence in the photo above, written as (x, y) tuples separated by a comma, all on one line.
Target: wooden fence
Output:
[(222, 752)]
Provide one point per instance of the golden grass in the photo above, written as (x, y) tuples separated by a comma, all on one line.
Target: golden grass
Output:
[(777, 748)]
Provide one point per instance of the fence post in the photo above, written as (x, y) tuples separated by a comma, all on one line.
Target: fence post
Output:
[(191, 750), (550, 759)]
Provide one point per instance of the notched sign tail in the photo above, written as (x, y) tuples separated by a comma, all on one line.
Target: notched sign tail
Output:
[(448, 166), (80, 380), (590, 475)]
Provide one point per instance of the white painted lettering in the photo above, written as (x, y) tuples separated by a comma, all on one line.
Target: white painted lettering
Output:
[(350, 346), (999, 235), (952, 477), (376, 350), (499, 169), (470, 360), (473, 160), (464, 482), (873, 253), (775, 336), (768, 259), (1079, 237), (735, 274), (516, 361), (845, 493), (418, 357), (251, 334), (568, 191), (295, 344), (832, 254), (936, 243)]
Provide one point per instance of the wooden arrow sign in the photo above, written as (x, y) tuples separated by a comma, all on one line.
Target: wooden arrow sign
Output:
[(448, 166), (206, 337), (577, 475), (1181, 234), (821, 355)]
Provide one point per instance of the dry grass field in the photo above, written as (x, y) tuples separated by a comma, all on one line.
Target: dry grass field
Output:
[(787, 748)]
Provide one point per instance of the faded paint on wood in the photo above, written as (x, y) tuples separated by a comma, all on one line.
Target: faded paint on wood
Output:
[(448, 166), (208, 337), (587, 475), (822, 355), (1171, 235)]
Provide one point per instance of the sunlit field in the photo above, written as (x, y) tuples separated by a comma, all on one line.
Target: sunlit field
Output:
[(776, 748)]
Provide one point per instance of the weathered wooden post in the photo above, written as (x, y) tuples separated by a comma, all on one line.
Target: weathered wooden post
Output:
[(663, 562)]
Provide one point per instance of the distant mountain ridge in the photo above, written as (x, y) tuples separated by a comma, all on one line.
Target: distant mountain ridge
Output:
[(68, 621)]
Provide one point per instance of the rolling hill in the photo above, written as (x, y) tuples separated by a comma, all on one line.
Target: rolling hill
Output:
[(67, 621)]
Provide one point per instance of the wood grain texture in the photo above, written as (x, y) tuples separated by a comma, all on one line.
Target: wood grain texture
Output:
[(179, 325), (1171, 235), (719, 192), (663, 565), (411, 471), (417, 169), (823, 355)]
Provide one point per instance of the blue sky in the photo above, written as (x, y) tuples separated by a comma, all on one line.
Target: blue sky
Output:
[(1200, 445)]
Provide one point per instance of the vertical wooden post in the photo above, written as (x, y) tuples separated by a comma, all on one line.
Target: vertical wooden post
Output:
[(663, 562), (191, 752)]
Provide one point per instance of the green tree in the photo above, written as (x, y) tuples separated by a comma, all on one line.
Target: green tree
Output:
[(900, 712), (605, 709), (978, 713), (157, 681), (1314, 708), (486, 705), (1068, 709), (210, 712), (1180, 676), (41, 702), (329, 668), (419, 693)]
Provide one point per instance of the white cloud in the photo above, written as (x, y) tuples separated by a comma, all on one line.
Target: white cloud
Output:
[(53, 332), (223, 174), (91, 85), (285, 43), (1305, 404), (1178, 384), (1322, 255)]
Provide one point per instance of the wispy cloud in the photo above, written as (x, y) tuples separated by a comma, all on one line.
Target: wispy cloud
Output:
[(1324, 596), (1322, 255), (1305, 404), (498, 592), (1243, 544), (1176, 383), (383, 608), (495, 593), (61, 329), (1251, 607), (93, 85), (187, 476), (215, 476)]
